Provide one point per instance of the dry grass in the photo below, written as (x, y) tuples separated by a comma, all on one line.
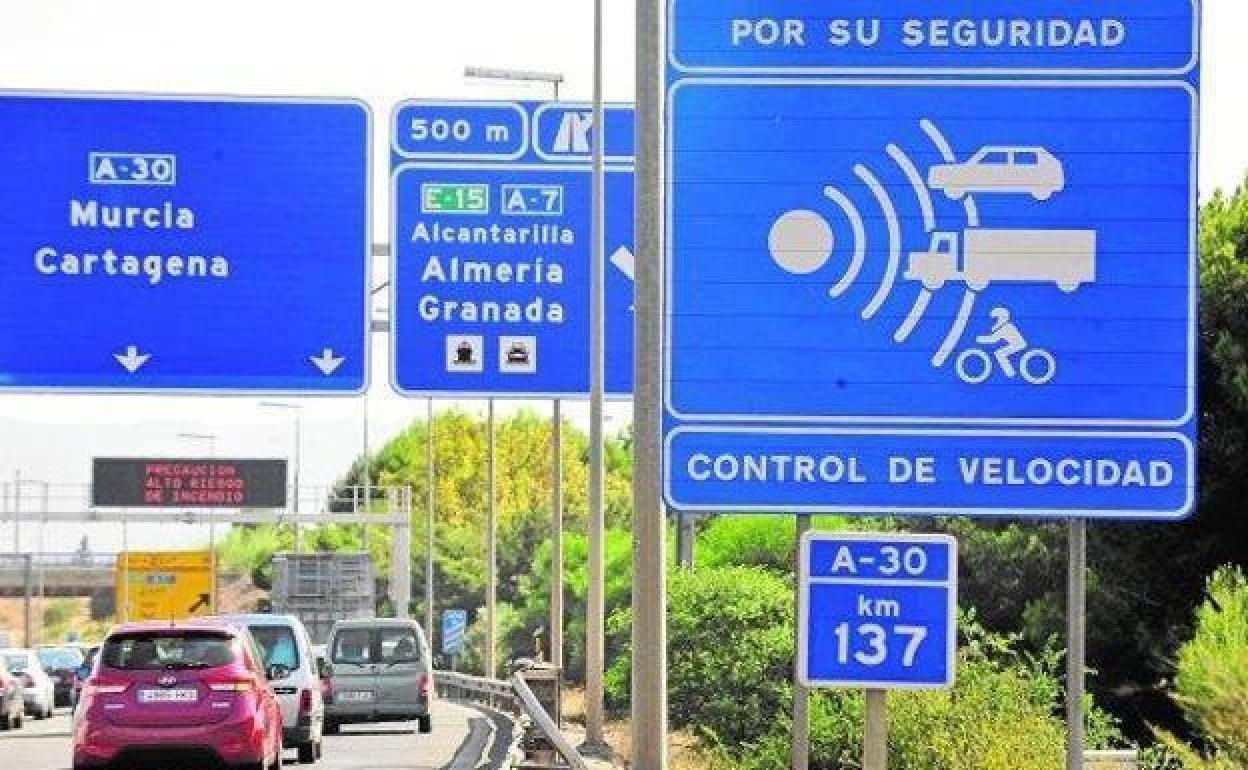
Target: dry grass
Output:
[(12, 619), (682, 747)]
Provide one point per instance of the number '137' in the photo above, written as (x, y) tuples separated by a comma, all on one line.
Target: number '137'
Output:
[(869, 643)]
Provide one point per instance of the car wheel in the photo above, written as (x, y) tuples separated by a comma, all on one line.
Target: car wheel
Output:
[(20, 719), (307, 753), (426, 724), (332, 727)]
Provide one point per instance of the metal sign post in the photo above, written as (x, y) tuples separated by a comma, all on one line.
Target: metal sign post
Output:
[(1076, 641), (875, 731), (556, 556), (491, 551), (799, 758), (649, 685), (430, 535), (596, 615)]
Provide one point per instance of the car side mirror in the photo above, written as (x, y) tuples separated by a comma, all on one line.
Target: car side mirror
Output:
[(277, 671)]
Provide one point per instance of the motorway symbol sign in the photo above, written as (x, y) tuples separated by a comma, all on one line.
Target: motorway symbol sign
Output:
[(184, 244), (165, 585), (877, 611), (491, 217), (964, 295), (454, 627)]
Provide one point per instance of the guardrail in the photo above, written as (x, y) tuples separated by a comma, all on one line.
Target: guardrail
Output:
[(515, 697), (494, 693)]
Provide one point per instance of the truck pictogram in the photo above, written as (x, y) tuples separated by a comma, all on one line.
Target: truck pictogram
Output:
[(981, 256)]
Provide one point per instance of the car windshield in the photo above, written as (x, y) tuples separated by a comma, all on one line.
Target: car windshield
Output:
[(399, 645), (161, 650), (57, 659), (353, 645), (17, 663), (277, 643)]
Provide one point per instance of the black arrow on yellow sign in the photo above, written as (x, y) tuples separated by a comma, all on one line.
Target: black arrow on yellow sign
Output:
[(204, 601)]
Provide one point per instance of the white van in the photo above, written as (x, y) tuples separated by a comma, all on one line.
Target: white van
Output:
[(285, 642)]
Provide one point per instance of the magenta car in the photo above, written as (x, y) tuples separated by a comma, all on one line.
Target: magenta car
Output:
[(184, 694)]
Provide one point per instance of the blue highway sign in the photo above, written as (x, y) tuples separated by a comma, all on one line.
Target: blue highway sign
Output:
[(1105, 37), (454, 627), (491, 264), (183, 244), (877, 611), (922, 273)]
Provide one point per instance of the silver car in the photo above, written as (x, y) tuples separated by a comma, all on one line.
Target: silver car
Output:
[(380, 671), (38, 692), (284, 642)]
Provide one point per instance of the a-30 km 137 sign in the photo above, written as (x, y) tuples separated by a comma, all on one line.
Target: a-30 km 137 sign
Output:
[(973, 293), (183, 244)]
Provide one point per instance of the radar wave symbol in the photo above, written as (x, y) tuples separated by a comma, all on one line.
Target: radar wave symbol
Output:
[(802, 242)]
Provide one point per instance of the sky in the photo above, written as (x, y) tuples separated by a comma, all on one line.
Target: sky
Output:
[(381, 51)]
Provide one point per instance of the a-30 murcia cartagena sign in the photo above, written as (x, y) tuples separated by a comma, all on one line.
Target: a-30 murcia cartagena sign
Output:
[(183, 244)]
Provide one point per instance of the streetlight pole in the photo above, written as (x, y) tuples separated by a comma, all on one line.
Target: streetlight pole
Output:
[(595, 643), (649, 685), (293, 504), (554, 79)]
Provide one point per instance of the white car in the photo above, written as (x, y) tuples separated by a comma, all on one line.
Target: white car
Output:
[(1029, 170), (38, 691), (284, 641)]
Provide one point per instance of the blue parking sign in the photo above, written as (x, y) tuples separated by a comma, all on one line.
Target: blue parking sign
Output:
[(877, 611)]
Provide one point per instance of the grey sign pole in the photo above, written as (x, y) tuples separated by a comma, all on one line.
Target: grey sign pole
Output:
[(799, 757), (875, 734), (595, 663), (430, 476), (1076, 628), (491, 553), (649, 686), (556, 555)]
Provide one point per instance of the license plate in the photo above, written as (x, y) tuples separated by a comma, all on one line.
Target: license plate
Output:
[(355, 696), (168, 696)]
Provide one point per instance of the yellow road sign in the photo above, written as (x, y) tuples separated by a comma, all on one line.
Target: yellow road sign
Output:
[(165, 585)]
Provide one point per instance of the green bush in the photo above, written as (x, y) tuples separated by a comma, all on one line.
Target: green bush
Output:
[(730, 651), (1001, 715), (764, 541), (730, 647), (1212, 677)]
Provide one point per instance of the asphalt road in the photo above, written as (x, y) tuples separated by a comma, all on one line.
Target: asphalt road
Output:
[(459, 739)]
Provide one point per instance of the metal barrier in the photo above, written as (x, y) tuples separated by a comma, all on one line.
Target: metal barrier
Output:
[(495, 693), (1111, 760), (514, 697)]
